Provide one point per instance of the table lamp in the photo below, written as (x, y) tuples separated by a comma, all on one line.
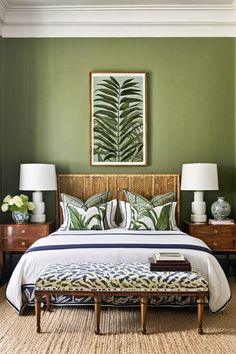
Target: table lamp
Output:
[(38, 177), (199, 177)]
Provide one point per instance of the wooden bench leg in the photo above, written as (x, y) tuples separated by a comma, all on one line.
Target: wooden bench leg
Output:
[(97, 308), (48, 302), (1, 265), (192, 303), (38, 311), (144, 300), (200, 301)]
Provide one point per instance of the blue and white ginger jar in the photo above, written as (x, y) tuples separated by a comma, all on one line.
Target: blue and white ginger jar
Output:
[(20, 218), (220, 209)]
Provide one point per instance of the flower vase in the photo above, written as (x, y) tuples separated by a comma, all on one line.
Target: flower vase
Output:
[(220, 209), (19, 217)]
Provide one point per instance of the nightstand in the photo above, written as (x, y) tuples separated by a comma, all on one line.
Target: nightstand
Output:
[(220, 238), (19, 237)]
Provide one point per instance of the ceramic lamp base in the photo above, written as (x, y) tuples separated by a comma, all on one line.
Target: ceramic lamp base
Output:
[(198, 208), (38, 218), (198, 218), (37, 214)]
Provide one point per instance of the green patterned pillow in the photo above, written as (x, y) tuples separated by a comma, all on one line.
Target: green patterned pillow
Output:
[(138, 217), (96, 199), (100, 217), (161, 199)]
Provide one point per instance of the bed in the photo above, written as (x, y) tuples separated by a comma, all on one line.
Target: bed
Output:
[(115, 245)]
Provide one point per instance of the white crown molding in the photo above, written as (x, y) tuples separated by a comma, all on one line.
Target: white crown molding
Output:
[(2, 11), (118, 21), (58, 8), (117, 31), (2, 16)]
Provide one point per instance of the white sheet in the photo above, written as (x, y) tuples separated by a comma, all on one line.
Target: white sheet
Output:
[(141, 245)]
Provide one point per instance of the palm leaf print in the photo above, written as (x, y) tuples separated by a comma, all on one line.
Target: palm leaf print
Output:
[(138, 215), (147, 218), (118, 121), (80, 222), (161, 222)]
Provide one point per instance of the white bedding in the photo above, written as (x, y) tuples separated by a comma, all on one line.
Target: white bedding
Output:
[(116, 246)]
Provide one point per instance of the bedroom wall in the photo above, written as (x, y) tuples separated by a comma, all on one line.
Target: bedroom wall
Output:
[(235, 123), (1, 118), (190, 104)]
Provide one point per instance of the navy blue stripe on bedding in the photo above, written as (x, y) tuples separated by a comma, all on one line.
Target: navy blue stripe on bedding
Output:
[(118, 245)]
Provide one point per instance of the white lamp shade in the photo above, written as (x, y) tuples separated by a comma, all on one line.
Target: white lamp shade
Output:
[(199, 177), (37, 177)]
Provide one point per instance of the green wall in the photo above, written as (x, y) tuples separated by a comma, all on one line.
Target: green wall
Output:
[(1, 117), (190, 104), (235, 123)]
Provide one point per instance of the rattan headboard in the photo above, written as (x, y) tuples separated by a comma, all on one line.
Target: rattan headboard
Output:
[(148, 185)]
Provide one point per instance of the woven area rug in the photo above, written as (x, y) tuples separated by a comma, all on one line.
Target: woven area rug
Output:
[(70, 331)]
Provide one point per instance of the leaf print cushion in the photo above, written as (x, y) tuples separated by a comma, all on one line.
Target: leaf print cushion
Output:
[(150, 218), (96, 199), (160, 199), (138, 217), (100, 217)]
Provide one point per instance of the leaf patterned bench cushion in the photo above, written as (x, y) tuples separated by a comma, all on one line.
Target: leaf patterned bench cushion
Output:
[(117, 277)]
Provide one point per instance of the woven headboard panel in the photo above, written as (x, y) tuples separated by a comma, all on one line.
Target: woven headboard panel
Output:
[(148, 185)]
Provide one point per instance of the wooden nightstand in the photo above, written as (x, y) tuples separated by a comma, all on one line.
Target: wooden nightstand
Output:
[(18, 237), (220, 238)]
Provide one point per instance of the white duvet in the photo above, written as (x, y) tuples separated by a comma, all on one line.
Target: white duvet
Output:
[(116, 246)]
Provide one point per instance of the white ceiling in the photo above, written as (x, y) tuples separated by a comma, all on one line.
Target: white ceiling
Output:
[(118, 18)]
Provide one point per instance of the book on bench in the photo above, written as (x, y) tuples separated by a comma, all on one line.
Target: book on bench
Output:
[(168, 256), (182, 265)]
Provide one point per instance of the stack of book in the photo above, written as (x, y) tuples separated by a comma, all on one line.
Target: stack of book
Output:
[(221, 222), (169, 261)]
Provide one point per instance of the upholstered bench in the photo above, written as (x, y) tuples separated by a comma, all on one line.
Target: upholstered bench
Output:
[(125, 279)]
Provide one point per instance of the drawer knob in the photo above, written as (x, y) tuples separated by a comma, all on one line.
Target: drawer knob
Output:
[(23, 243), (23, 231), (215, 243), (215, 232)]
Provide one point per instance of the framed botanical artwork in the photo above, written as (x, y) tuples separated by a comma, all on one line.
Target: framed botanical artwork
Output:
[(118, 119)]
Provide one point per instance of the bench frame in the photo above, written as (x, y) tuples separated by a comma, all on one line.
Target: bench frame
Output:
[(98, 295)]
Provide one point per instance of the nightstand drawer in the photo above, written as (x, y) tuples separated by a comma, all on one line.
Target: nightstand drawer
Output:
[(19, 237), (24, 230), (220, 238), (220, 243), (206, 230), (217, 237), (18, 244)]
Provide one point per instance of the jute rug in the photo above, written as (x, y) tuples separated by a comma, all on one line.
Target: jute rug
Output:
[(70, 331)]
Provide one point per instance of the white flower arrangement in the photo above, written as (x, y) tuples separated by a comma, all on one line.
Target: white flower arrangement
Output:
[(17, 203)]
